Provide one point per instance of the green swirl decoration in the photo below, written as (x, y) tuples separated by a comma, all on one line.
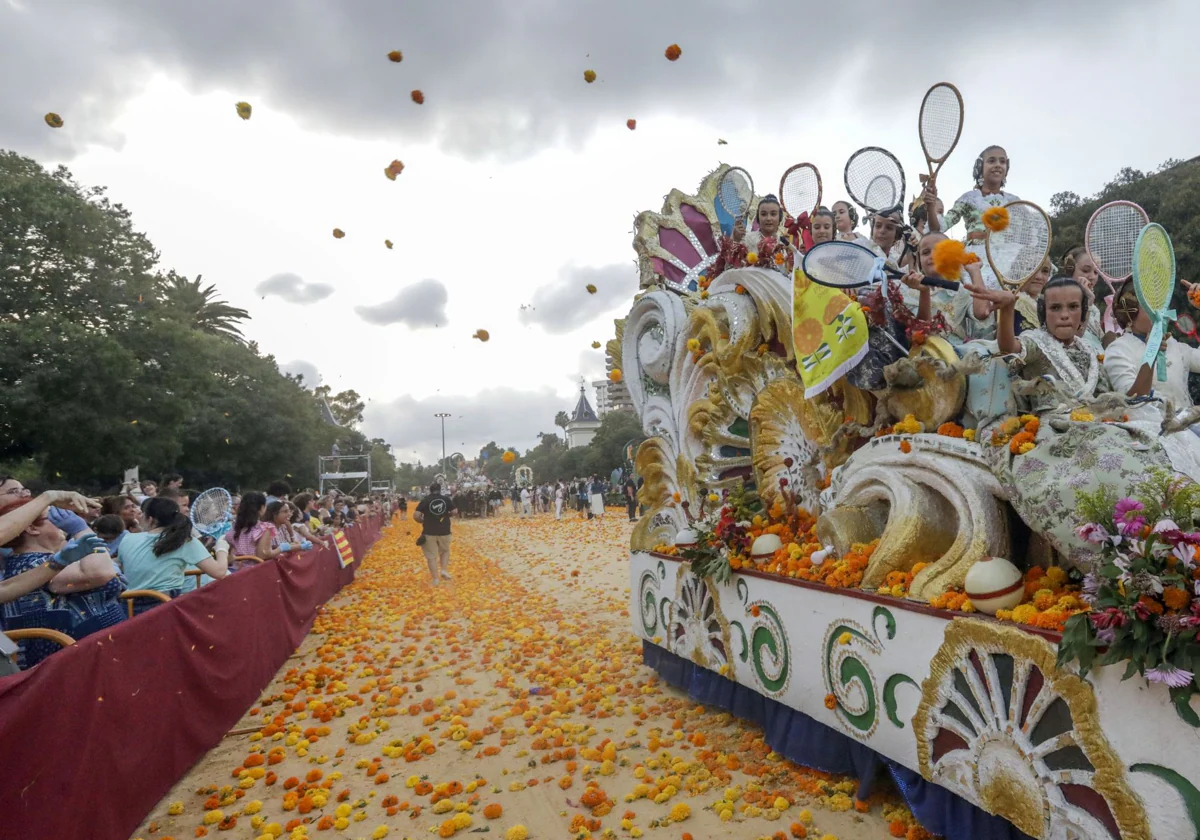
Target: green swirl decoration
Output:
[(889, 696), (889, 622), (852, 669), (743, 590), (646, 597), (777, 648)]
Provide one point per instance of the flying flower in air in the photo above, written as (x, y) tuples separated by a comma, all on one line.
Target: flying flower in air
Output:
[(995, 219), (395, 56), (721, 142), (393, 169), (949, 257), (595, 345), (615, 375), (418, 97), (338, 233), (243, 110), (53, 120), (388, 243), (508, 457), (482, 335), (591, 289), (589, 76), (673, 52), (631, 124)]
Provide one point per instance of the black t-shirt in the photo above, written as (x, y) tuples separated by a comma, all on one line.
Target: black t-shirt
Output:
[(630, 489), (436, 510), (404, 504)]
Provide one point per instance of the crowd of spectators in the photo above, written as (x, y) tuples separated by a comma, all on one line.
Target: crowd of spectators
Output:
[(76, 565)]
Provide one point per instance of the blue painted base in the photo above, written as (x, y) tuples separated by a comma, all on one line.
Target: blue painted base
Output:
[(807, 742)]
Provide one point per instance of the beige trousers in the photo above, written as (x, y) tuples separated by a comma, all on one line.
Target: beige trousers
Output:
[(437, 554)]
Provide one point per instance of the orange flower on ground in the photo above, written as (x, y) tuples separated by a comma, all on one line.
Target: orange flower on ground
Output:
[(418, 97), (673, 52)]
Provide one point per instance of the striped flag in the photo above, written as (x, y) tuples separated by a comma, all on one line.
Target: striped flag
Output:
[(345, 553)]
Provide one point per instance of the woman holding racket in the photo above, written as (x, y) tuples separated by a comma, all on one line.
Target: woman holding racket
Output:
[(991, 175), (822, 225), (771, 249)]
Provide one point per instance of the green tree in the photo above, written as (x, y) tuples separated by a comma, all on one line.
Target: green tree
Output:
[(199, 308), (347, 406), (561, 420)]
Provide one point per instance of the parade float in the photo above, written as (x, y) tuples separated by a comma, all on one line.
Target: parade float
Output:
[(899, 579)]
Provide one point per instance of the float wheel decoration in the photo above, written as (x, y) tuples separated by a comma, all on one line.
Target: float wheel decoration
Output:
[(1001, 725), (697, 629)]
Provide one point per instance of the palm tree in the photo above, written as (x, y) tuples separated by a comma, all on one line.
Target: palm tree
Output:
[(561, 419), (201, 308)]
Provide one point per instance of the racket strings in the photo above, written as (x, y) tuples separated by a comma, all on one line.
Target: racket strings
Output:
[(800, 191), (941, 122), (1018, 251), (211, 507), (735, 192), (1111, 237), (1156, 271), (875, 180), (840, 264)]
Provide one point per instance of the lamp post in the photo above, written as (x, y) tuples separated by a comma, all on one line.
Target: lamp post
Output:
[(442, 415)]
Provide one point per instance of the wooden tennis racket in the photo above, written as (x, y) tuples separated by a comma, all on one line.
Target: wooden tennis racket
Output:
[(800, 189), (1017, 252), (939, 125)]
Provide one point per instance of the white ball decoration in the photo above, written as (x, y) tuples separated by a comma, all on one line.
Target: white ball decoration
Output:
[(994, 584), (687, 538), (764, 547)]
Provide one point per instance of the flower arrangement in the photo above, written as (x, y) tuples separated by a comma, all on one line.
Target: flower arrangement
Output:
[(995, 219), (954, 600), (1050, 600), (1142, 589), (1018, 433)]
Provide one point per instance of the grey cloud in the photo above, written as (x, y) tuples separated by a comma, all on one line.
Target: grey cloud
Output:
[(505, 415), (307, 370), (500, 79), (565, 304), (293, 288), (423, 304)]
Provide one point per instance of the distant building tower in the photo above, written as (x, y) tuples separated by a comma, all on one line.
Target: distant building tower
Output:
[(603, 405), (584, 423), (618, 392)]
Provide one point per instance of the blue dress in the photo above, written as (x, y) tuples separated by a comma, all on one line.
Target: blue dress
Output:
[(77, 614)]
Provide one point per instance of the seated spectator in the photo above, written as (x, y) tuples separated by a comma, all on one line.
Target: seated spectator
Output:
[(111, 529), (279, 519), (251, 536), (157, 557), (80, 599), (304, 519), (149, 489), (126, 507), (13, 492)]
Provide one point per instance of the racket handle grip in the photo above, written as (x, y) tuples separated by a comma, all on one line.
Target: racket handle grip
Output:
[(939, 283)]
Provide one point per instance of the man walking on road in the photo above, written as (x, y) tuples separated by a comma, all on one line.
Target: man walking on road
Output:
[(434, 514), (631, 498)]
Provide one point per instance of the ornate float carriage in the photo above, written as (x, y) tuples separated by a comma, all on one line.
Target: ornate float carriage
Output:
[(804, 560)]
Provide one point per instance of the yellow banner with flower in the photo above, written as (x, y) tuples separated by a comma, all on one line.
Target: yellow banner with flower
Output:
[(829, 332)]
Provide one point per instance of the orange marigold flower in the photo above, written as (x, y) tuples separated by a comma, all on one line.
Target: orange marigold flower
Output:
[(493, 810), (631, 124), (338, 233), (995, 219), (395, 56), (831, 701), (673, 52), (1151, 604), (905, 447), (949, 257), (53, 120), (418, 97), (615, 375), (1175, 598), (950, 430)]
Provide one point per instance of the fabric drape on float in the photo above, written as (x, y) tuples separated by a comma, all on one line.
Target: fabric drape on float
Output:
[(810, 743), (96, 735)]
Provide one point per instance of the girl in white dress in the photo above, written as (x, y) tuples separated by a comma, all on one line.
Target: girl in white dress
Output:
[(1078, 264), (991, 175)]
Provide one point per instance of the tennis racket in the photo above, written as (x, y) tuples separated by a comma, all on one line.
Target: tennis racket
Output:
[(1017, 252), (212, 511), (875, 179), (848, 265), (939, 125), (1110, 236), (1154, 282), (1186, 325), (735, 194), (800, 189)]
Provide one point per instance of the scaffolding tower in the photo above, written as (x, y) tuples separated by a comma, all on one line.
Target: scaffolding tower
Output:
[(335, 468)]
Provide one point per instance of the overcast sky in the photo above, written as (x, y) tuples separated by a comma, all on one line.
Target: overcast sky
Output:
[(520, 180)]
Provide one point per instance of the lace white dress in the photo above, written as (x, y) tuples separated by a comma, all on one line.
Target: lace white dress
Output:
[(968, 209)]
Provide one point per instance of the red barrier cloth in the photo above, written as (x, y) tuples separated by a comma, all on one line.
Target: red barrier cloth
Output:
[(93, 737)]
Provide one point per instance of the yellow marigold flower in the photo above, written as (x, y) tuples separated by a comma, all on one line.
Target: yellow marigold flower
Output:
[(461, 820), (591, 288), (517, 832), (752, 258), (1026, 447), (806, 816), (379, 833), (443, 806), (781, 804), (693, 344), (1081, 415), (589, 76), (341, 823), (243, 110), (54, 120), (213, 817), (252, 807), (595, 345), (968, 434), (175, 809), (388, 243), (615, 375), (845, 638)]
